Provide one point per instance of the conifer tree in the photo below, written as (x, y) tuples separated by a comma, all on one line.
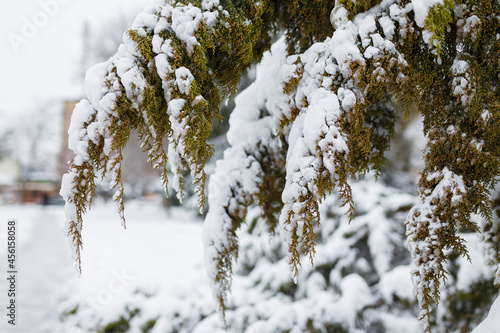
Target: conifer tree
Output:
[(351, 66)]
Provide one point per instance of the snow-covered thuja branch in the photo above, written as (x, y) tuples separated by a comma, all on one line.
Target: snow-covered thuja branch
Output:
[(430, 231), (175, 66), (460, 104), (250, 173), (334, 108)]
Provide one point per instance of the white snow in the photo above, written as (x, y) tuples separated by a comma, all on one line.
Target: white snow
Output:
[(184, 78), (159, 254), (421, 9), (154, 252), (94, 116), (315, 137), (185, 20), (492, 323), (366, 26), (397, 283), (156, 266)]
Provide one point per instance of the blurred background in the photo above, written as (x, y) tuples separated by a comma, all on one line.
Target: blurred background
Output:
[(47, 46)]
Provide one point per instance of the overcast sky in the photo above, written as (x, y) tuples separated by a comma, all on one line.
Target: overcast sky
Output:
[(40, 45)]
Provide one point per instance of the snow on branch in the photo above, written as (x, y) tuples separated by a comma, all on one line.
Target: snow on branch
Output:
[(165, 81), (326, 92), (430, 232), (249, 173)]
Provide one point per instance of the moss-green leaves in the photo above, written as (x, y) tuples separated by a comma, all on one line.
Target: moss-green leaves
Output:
[(355, 7), (437, 24)]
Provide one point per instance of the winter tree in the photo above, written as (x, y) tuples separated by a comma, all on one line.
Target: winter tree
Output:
[(324, 118)]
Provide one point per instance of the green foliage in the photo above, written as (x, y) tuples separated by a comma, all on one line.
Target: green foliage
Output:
[(438, 23), (224, 52), (148, 326), (70, 312), (305, 22), (122, 324), (119, 326), (354, 7), (466, 308)]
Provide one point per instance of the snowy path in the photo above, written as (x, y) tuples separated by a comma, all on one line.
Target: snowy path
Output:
[(44, 274), (144, 256)]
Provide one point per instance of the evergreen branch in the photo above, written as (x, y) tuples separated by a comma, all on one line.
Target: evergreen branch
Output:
[(430, 228)]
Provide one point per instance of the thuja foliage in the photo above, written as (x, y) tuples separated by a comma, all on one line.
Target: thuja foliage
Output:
[(330, 118)]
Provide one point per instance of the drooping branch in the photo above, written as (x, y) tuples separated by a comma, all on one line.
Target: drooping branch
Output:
[(332, 94), (178, 62), (250, 173)]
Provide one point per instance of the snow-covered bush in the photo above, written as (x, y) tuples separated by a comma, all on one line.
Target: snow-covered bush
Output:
[(360, 282)]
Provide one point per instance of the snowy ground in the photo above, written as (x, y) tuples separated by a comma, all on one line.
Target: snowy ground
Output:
[(116, 263)]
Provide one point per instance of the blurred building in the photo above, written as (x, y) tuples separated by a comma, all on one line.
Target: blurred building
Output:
[(38, 188), (17, 186), (10, 172), (29, 185)]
